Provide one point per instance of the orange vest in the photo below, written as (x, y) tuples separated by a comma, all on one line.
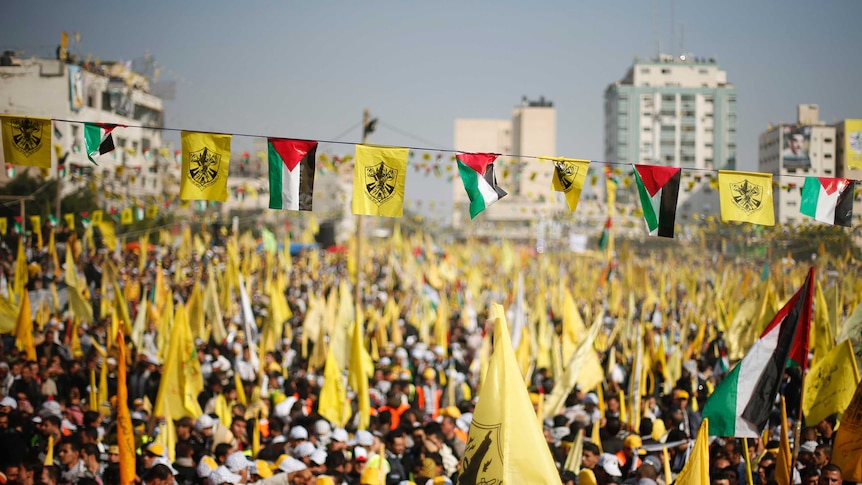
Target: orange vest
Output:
[(395, 413), (420, 399)]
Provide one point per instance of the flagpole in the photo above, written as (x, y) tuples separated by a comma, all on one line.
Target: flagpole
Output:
[(357, 293)]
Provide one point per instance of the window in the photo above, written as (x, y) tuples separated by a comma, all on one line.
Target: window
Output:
[(827, 155), (668, 97), (687, 98), (827, 140), (707, 99), (647, 128), (91, 101), (665, 71), (644, 70), (106, 101), (703, 71), (668, 129)]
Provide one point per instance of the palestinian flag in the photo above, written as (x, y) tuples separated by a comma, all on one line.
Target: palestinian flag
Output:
[(606, 235), (741, 403), (658, 188), (99, 139), (291, 173), (828, 200), (477, 173)]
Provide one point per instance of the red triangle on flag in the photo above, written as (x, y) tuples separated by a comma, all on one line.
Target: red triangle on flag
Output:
[(655, 176)]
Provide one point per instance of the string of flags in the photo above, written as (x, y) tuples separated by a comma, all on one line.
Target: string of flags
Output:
[(380, 173)]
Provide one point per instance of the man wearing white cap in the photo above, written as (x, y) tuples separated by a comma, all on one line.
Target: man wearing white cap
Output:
[(610, 465), (223, 475), (238, 463)]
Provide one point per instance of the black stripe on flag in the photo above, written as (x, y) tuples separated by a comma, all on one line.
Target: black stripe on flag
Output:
[(107, 145), (844, 208), (306, 179), (667, 206), (760, 406), (492, 180)]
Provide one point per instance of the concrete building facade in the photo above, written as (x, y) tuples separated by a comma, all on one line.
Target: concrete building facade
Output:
[(848, 159), (791, 152)]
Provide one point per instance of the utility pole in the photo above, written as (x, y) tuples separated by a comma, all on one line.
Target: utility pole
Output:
[(21, 199), (357, 292)]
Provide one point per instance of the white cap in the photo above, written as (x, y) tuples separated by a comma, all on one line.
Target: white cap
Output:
[(205, 421), (359, 453), (364, 438), (278, 439), (206, 466), (290, 465), (304, 449), (591, 398), (223, 475), (161, 460), (318, 457), (8, 401), (236, 462), (340, 435), (610, 464), (298, 433), (322, 428), (808, 447)]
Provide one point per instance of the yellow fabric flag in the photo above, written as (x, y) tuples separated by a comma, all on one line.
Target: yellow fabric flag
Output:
[(830, 383), (333, 394), (359, 372), (80, 306), (127, 216), (36, 226), (94, 396), (573, 459), (821, 330), (379, 180), (27, 141), (569, 178), (181, 381), (240, 389), (206, 160), (49, 455), (97, 217), (70, 220), (784, 460), (596, 434), (696, 469), (3, 226), (152, 211), (848, 441), (746, 197), (24, 328), (109, 236), (125, 432), (500, 448), (22, 273)]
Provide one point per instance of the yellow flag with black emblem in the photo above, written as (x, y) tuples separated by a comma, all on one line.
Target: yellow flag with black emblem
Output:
[(27, 141), (569, 178), (379, 180), (127, 216), (746, 197), (206, 159), (502, 447), (70, 220)]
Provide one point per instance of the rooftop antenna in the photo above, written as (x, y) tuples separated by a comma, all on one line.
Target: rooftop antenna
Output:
[(655, 29), (682, 38), (672, 25)]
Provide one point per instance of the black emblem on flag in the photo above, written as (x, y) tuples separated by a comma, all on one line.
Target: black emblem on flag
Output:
[(203, 167), (483, 456), (566, 173), (748, 197), (380, 181), (27, 135)]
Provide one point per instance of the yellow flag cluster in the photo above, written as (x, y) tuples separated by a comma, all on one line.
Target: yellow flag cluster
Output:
[(379, 181), (830, 383), (206, 162)]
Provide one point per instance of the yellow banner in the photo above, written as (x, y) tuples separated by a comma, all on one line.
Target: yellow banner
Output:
[(70, 220), (27, 141), (853, 143), (3, 225), (152, 211), (206, 161), (830, 384), (379, 180), (746, 197), (848, 441), (569, 178)]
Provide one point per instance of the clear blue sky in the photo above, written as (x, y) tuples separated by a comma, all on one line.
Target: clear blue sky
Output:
[(307, 69)]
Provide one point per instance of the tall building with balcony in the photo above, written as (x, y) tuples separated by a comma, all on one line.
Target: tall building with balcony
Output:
[(674, 111), (793, 151), (142, 169), (531, 132)]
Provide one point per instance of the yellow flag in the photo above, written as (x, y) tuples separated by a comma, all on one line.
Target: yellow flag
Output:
[(181, 378), (783, 462), (333, 394), (127, 216), (152, 211), (125, 432), (379, 180), (848, 441), (596, 434), (49, 455), (240, 390), (109, 236), (569, 178), (359, 373), (573, 460), (696, 470), (36, 224), (97, 217), (94, 396), (206, 159), (70, 220), (27, 141), (24, 328), (22, 273), (830, 383), (80, 306), (500, 447), (3, 226), (746, 197)]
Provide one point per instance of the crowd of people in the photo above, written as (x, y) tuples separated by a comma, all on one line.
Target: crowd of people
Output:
[(259, 420)]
